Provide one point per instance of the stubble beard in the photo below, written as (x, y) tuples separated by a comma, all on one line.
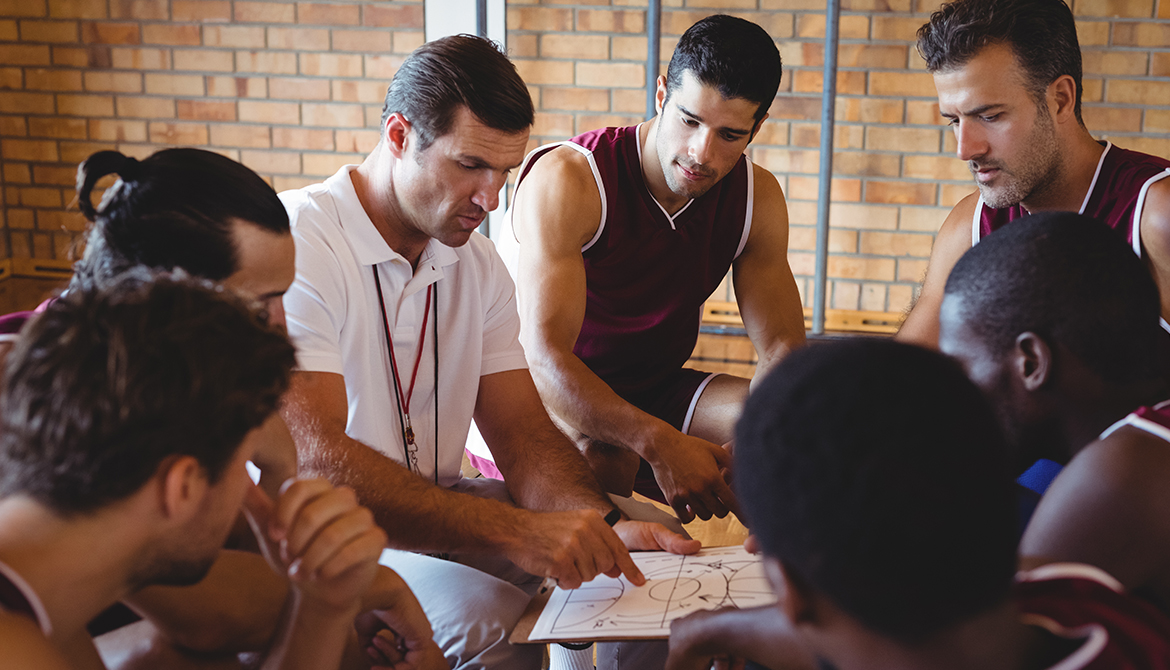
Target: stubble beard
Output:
[(1038, 170)]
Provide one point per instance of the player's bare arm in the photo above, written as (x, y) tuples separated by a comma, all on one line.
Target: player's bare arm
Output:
[(25, 647), (418, 515), (765, 289), (1155, 235), (558, 210), (952, 241), (1109, 507)]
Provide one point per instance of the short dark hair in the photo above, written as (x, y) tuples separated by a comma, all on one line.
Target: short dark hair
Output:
[(174, 209), (737, 57), (458, 71), (113, 379), (1041, 33), (1070, 279), (876, 473)]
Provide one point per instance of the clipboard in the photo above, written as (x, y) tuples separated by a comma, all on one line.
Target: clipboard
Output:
[(527, 622)]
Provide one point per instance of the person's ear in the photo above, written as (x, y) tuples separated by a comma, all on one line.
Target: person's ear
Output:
[(1062, 98), (660, 94), (792, 596), (184, 486), (1032, 361), (395, 133)]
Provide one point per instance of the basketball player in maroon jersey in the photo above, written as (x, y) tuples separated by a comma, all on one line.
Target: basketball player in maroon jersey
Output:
[(623, 234), (1008, 75), (1057, 322)]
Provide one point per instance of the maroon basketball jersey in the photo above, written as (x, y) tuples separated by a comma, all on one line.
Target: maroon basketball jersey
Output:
[(1080, 602), (1116, 195), (648, 273), (1152, 419)]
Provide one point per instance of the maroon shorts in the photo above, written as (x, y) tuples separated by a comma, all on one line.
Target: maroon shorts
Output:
[(670, 401)]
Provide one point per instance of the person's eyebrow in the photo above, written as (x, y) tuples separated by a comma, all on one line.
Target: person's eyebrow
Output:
[(725, 129), (973, 112)]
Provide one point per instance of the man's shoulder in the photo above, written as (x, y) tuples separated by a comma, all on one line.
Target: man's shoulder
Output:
[(24, 646)]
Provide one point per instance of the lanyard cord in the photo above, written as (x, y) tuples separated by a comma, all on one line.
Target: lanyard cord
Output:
[(409, 447)]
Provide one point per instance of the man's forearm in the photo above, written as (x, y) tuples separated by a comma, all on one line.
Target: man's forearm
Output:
[(586, 403)]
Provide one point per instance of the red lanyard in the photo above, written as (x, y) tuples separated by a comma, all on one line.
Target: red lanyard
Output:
[(409, 446)]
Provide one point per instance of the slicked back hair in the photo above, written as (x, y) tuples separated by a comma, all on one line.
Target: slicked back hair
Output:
[(115, 378), (175, 209), (877, 474), (458, 71), (736, 57), (1071, 280), (1041, 33)]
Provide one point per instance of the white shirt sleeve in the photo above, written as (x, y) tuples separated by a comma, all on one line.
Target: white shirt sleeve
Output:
[(501, 329), (315, 304)]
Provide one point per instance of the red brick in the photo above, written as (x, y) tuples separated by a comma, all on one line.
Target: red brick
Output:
[(939, 167), (13, 126), (1139, 9), (323, 165), (841, 190), (1140, 92), (203, 60), (60, 220), (201, 10), (628, 100), (21, 219), (575, 99), (900, 193), (332, 115), (237, 87), (107, 32), (272, 162), (869, 110), (145, 107), (903, 139), (919, 84), (23, 8), (395, 16), (178, 134), (266, 61), (77, 56), (52, 80), (247, 37), (9, 32), (330, 65), (793, 107), (29, 150), (265, 12), (553, 19), (1160, 62), (114, 82), (203, 110), (56, 175), (289, 88), (75, 152), (328, 14), (48, 31), (254, 137), (24, 54), (574, 46), (616, 75), (174, 35), (269, 112), (559, 126), (85, 105), (117, 130), (77, 9), (877, 5), (372, 92), (173, 84), (852, 27), (357, 141), (848, 83), (606, 21), (406, 41), (57, 128), (864, 164), (298, 39), (1115, 119), (382, 67), (302, 138), (141, 59), (1114, 63), (362, 40), (142, 10)]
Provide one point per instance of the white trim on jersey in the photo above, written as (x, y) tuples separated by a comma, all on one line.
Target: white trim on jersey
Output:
[(686, 424), (751, 203), (1140, 423), (975, 232), (670, 219), (540, 151)]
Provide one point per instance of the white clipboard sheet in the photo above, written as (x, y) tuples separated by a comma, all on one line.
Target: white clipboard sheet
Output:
[(614, 609)]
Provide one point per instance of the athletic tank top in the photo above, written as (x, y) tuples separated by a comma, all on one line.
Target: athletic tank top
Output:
[(1152, 419), (17, 597), (1118, 631), (648, 273)]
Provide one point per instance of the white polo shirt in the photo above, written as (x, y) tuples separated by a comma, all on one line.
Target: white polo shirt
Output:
[(336, 325)]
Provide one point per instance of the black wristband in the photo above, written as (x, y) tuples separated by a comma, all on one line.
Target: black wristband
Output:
[(613, 517)]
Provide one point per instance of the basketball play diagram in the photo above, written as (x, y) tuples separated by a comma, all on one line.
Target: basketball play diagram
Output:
[(608, 608)]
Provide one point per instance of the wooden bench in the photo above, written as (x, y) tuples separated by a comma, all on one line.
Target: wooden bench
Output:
[(723, 345)]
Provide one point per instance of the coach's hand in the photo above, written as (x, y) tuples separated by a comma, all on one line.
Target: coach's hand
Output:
[(570, 547)]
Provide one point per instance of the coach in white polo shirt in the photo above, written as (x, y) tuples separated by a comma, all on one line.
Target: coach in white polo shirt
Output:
[(394, 290)]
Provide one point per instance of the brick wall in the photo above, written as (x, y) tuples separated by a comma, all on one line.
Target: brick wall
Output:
[(895, 174), (294, 89), (291, 89)]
